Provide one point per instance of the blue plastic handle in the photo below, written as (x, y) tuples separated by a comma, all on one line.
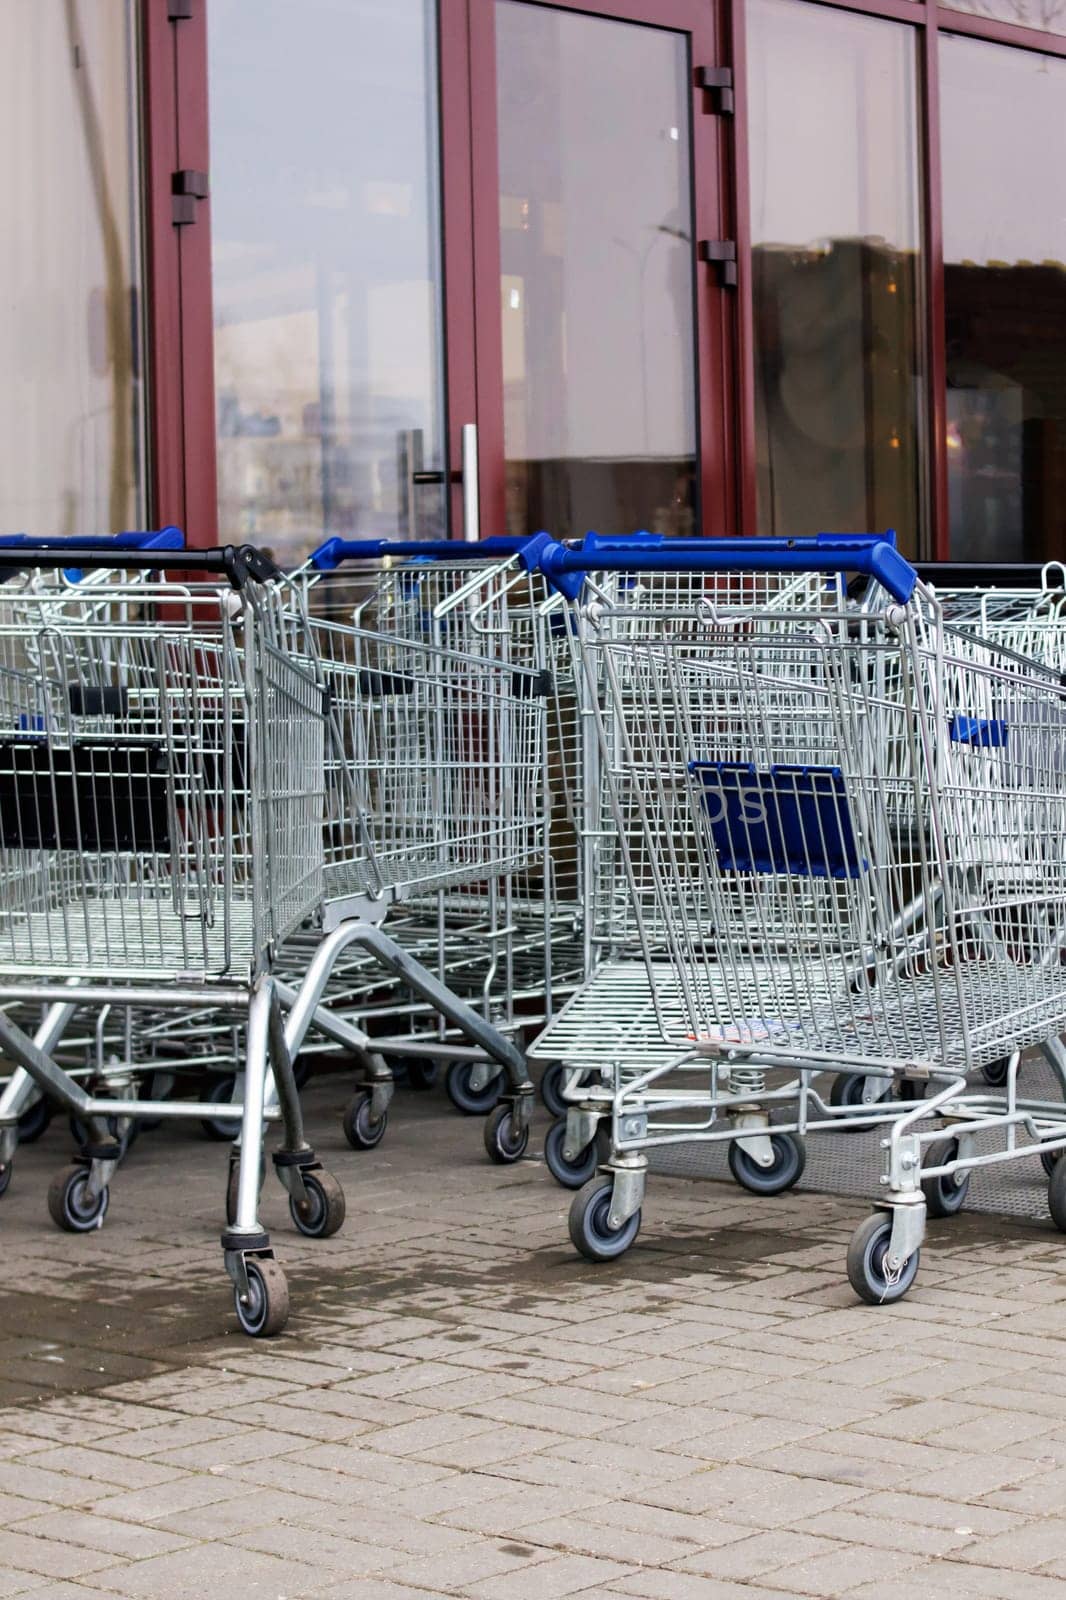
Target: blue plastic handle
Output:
[(329, 555), (660, 541), (169, 538), (870, 554)]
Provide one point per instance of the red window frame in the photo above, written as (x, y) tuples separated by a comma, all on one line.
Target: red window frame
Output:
[(178, 270)]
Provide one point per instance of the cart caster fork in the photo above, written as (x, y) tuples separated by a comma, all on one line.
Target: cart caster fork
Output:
[(260, 1292), (506, 1132)]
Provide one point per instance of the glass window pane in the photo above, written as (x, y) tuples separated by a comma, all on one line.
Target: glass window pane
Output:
[(596, 273), (326, 263), (71, 339), (1004, 180), (1049, 16), (835, 271)]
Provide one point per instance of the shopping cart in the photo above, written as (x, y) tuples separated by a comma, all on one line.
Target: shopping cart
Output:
[(879, 802), (161, 802)]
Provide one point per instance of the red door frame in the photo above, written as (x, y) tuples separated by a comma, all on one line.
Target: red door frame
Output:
[(181, 384), (470, 170)]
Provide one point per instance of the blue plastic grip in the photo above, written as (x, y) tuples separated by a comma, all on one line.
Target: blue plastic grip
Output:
[(870, 554), (169, 538), (329, 555)]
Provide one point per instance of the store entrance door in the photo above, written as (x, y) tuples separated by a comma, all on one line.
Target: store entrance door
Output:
[(588, 297)]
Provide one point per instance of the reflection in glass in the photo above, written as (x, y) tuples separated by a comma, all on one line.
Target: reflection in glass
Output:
[(71, 340), (1048, 16), (324, 215), (835, 271), (596, 273), (1004, 298)]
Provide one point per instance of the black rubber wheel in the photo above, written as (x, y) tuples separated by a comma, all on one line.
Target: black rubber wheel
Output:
[(847, 1090), (790, 1158), (6, 1175), (945, 1196), (995, 1072), (322, 1213), (267, 1308), (363, 1131), (571, 1174), (1049, 1160), (505, 1141), (866, 1263), (70, 1207), (34, 1120), (1056, 1195), (421, 1075), (590, 1232), (222, 1129), (551, 1088), (472, 1102)]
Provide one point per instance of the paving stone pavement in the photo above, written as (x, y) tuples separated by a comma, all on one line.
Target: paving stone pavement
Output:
[(462, 1407)]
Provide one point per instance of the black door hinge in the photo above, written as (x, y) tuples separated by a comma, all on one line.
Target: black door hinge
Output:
[(186, 188), (179, 10), (722, 254), (718, 81)]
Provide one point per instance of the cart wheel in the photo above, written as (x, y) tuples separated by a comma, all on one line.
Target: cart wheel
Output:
[(790, 1158), (571, 1174), (422, 1074), (866, 1263), (995, 1072), (590, 1231), (946, 1195), (266, 1310), (1049, 1160), (1056, 1195), (222, 1129), (70, 1207), (362, 1131), (35, 1120), (551, 1088), (471, 1102), (6, 1175), (321, 1214), (505, 1141), (847, 1090)]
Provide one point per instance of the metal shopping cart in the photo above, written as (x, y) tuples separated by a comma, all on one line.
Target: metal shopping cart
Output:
[(161, 801), (879, 802)]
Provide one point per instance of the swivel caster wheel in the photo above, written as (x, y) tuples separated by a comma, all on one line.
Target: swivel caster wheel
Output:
[(847, 1090), (222, 1129), (590, 1230), (551, 1088), (505, 1140), (790, 1158), (471, 1102), (266, 1310), (1056, 1195), (70, 1205), (570, 1174), (867, 1273), (6, 1175), (362, 1130), (34, 1121), (944, 1196), (321, 1214), (421, 1075), (996, 1072), (1049, 1160)]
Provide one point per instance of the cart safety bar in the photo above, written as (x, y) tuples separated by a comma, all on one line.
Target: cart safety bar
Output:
[(870, 554), (329, 555), (238, 563)]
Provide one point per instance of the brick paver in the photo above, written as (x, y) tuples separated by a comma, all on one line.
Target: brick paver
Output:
[(461, 1407)]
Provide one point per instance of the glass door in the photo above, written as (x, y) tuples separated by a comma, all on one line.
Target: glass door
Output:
[(600, 338)]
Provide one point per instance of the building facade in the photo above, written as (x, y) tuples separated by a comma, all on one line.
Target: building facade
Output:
[(275, 269)]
